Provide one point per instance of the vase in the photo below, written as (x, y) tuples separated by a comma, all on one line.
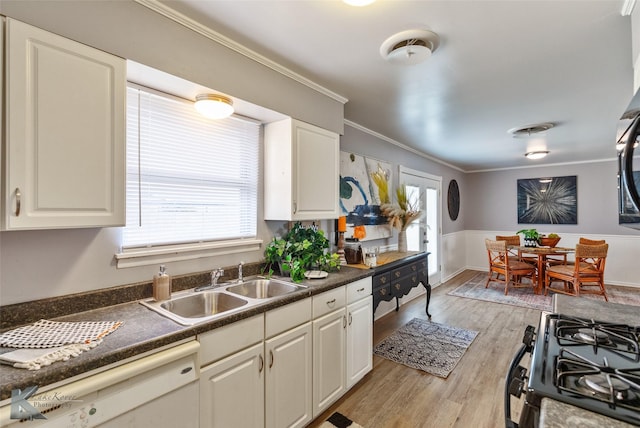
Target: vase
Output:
[(402, 241)]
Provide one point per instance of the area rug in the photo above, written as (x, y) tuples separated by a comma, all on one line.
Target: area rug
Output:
[(427, 346), (338, 420), (524, 297)]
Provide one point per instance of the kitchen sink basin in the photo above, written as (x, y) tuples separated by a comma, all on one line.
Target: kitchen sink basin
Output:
[(263, 288), (197, 307), (203, 304)]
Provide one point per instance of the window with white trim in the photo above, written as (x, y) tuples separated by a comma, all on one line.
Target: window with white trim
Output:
[(189, 179)]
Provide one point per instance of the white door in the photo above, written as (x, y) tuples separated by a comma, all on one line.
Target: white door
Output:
[(288, 379), (425, 234)]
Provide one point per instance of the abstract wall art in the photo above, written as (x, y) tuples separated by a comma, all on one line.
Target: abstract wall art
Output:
[(359, 200), (548, 200)]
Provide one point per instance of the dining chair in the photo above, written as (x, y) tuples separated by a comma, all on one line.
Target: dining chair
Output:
[(513, 252), (587, 241), (513, 271), (580, 277)]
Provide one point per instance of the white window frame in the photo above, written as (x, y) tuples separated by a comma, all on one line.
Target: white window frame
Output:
[(154, 254)]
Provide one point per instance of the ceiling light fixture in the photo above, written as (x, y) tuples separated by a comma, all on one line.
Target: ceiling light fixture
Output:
[(358, 3), (536, 155), (410, 46), (214, 106)]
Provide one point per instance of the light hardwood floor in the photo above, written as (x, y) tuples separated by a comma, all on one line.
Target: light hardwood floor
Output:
[(393, 395)]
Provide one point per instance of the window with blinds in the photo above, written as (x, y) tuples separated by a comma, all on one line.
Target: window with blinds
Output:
[(189, 179)]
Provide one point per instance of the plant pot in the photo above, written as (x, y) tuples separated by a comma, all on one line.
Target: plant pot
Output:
[(528, 242)]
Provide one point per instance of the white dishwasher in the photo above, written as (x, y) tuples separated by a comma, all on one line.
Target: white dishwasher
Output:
[(160, 390)]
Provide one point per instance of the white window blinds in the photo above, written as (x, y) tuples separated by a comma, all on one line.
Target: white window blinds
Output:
[(189, 179)]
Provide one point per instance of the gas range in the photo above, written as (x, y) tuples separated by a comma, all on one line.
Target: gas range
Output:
[(586, 363)]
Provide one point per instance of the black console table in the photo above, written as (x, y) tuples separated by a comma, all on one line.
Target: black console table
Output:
[(396, 279)]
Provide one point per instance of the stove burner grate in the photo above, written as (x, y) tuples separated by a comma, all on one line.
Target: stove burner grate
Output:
[(576, 374), (623, 339)]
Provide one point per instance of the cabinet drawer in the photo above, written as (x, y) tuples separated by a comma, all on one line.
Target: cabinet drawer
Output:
[(287, 317), (383, 293), (328, 301), (384, 279), (358, 290), (231, 338)]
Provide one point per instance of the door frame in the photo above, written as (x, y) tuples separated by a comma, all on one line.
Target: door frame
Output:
[(436, 278)]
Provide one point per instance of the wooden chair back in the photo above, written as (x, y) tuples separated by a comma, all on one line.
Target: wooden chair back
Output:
[(497, 252), (590, 259), (587, 241)]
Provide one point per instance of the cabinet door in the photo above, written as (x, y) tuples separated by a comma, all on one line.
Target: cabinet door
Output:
[(65, 133), (317, 172), (232, 391), (359, 340), (288, 378), (329, 372)]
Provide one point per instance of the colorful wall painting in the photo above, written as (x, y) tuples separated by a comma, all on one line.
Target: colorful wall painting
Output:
[(359, 200)]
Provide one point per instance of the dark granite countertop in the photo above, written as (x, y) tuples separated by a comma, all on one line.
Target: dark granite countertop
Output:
[(554, 414), (144, 330), (596, 309)]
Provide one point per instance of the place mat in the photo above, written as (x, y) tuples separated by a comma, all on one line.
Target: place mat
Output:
[(51, 334)]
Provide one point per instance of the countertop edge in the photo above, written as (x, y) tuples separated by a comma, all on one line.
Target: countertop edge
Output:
[(144, 330)]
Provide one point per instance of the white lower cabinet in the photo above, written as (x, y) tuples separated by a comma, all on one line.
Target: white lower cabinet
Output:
[(250, 381), (359, 340), (329, 363), (232, 388), (329, 334), (288, 378), (286, 367), (359, 330)]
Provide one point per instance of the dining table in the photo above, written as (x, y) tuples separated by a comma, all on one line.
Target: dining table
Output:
[(543, 254)]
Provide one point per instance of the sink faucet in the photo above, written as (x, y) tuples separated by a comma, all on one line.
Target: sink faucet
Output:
[(240, 278), (215, 275)]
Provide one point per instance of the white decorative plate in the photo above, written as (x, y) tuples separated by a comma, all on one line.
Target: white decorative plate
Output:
[(316, 274)]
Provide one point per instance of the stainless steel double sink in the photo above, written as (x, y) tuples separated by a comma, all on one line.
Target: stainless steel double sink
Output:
[(193, 307)]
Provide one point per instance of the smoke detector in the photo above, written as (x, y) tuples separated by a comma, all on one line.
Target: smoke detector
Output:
[(410, 46), (528, 130)]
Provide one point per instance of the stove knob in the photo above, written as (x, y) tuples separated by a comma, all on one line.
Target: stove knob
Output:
[(516, 386)]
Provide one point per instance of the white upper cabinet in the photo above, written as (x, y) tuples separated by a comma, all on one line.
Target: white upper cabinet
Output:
[(65, 133), (302, 171)]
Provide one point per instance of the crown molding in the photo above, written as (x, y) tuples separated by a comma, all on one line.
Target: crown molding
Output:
[(207, 32), (627, 7)]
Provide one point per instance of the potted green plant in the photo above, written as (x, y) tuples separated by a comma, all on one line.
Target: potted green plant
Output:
[(531, 237), (301, 249)]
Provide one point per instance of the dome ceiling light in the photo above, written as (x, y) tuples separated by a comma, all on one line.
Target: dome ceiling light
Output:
[(536, 155), (410, 46), (214, 106), (528, 130)]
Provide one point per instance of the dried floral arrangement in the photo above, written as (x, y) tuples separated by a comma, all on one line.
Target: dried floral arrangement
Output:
[(400, 214)]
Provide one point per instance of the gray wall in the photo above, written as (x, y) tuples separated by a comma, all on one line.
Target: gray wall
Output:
[(490, 202)]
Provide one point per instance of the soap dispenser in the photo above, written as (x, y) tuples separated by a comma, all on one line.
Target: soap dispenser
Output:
[(161, 285)]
